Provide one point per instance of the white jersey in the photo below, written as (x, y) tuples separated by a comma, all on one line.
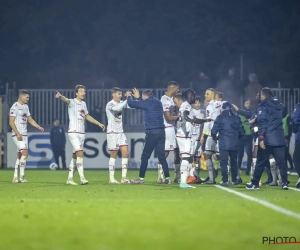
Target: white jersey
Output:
[(77, 111), (114, 116), (21, 114), (196, 128), (184, 128), (168, 105), (213, 109)]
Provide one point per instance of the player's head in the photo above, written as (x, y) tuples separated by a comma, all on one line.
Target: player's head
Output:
[(173, 88), (56, 122), (146, 94), (226, 106), (265, 93), (247, 104), (197, 103), (210, 94), (80, 92), (116, 94), (23, 96), (219, 96), (189, 96), (178, 100)]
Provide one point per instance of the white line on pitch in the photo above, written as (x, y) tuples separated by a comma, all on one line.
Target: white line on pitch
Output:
[(295, 189), (262, 202)]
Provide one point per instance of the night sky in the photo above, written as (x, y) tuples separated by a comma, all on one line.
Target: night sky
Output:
[(56, 44)]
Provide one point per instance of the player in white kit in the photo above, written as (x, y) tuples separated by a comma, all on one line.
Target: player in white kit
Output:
[(19, 115), (78, 113), (170, 119), (212, 111), (184, 131), (116, 139), (196, 151)]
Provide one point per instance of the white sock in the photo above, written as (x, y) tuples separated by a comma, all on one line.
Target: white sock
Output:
[(71, 169), (192, 170), (176, 171), (196, 171), (79, 165), (184, 170), (124, 167), (22, 166), (16, 169), (210, 169), (160, 171), (111, 168)]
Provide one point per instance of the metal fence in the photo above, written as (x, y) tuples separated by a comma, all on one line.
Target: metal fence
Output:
[(44, 107)]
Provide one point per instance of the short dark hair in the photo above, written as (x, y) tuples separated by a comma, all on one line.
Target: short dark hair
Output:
[(79, 87), (220, 94), (189, 96), (115, 90), (178, 96), (56, 119), (266, 92), (198, 98), (172, 83), (23, 92), (147, 92)]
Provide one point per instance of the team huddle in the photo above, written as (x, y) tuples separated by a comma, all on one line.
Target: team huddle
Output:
[(188, 132)]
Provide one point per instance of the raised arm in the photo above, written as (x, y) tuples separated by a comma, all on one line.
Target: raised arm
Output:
[(118, 106), (63, 98), (246, 114), (137, 104)]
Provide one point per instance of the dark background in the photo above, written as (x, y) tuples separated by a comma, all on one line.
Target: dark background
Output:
[(56, 44)]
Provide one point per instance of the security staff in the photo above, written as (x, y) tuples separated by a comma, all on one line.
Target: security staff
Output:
[(296, 130), (271, 138), (58, 143), (230, 129)]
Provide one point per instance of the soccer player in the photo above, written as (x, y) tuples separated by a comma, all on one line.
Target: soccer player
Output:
[(212, 111), (78, 113), (19, 115), (184, 131), (116, 139), (170, 119), (195, 148)]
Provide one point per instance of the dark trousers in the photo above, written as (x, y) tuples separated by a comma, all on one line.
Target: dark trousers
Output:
[(296, 157), (157, 142), (224, 162), (245, 142), (288, 156), (262, 159), (59, 151)]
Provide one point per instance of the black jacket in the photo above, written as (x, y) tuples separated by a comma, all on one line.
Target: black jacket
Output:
[(230, 129), (269, 119), (58, 137)]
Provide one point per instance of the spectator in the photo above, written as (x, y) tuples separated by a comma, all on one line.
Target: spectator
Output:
[(201, 84), (97, 114), (58, 143), (231, 87), (252, 89)]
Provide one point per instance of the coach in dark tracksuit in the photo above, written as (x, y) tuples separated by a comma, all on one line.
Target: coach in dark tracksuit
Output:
[(230, 129), (296, 130), (271, 138), (58, 143), (154, 129)]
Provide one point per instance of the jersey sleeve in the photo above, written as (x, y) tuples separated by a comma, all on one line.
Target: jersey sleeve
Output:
[(28, 113), (13, 111), (71, 104), (85, 109), (166, 104)]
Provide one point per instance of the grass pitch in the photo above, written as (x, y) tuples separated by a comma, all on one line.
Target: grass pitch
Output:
[(47, 214)]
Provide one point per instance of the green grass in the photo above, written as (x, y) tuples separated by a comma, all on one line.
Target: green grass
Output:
[(47, 214)]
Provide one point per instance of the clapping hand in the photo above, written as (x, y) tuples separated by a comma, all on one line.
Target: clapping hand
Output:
[(136, 93)]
